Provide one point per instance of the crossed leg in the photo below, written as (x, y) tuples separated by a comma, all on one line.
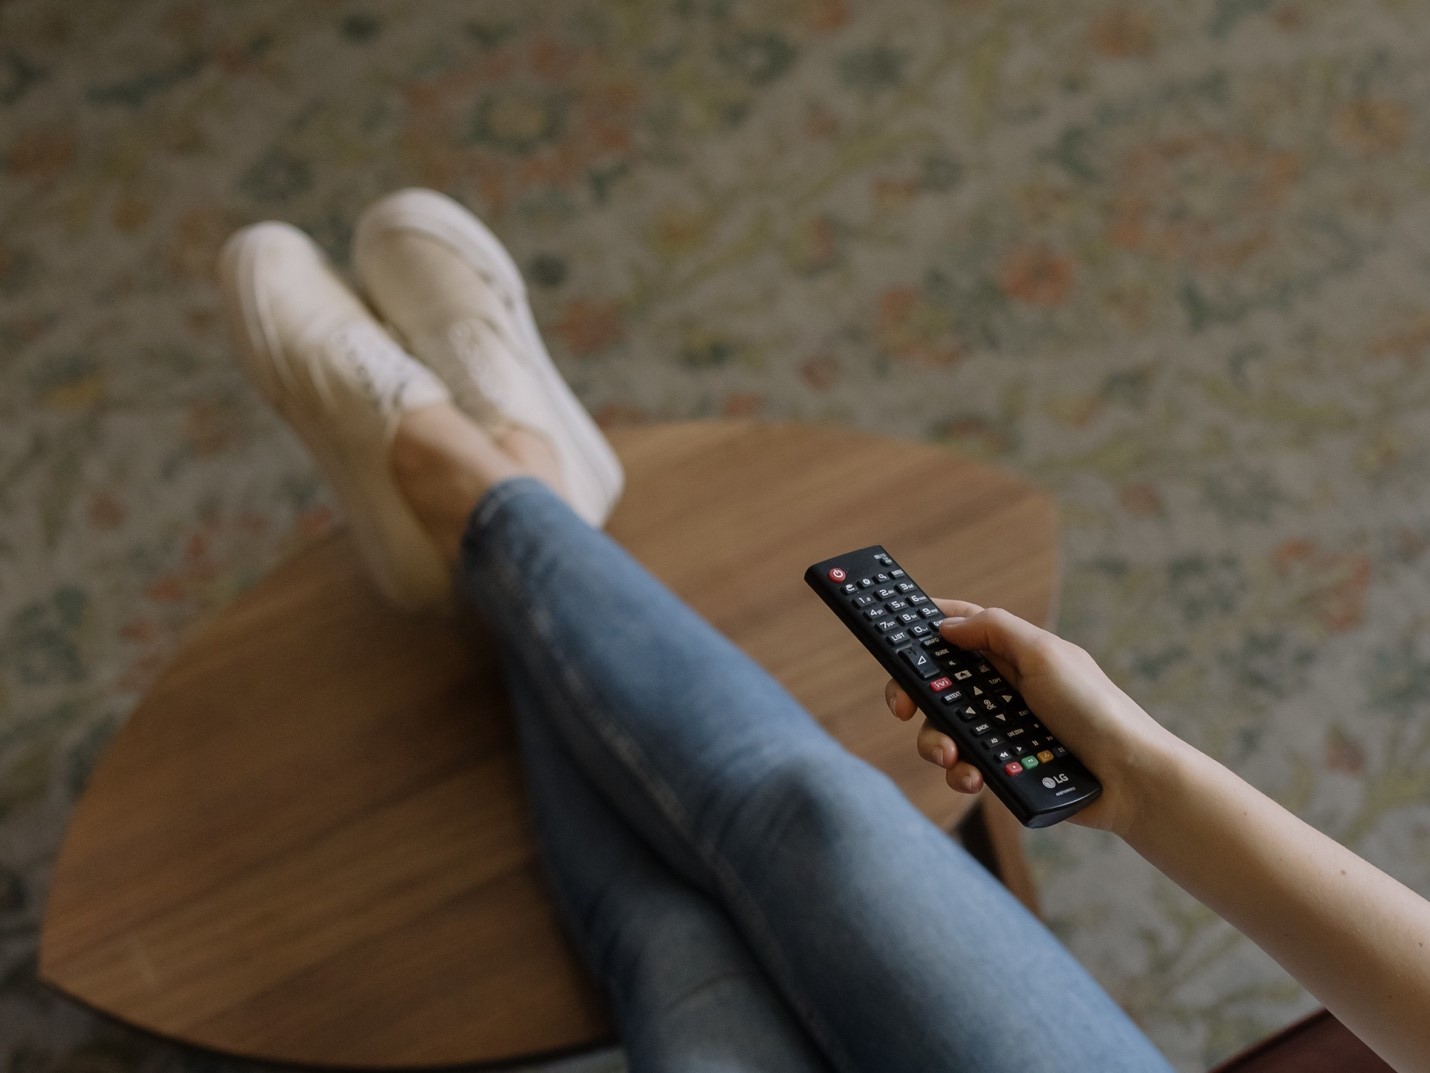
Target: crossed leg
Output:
[(887, 945)]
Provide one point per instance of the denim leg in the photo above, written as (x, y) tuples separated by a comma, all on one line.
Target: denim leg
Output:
[(894, 949), (686, 992)]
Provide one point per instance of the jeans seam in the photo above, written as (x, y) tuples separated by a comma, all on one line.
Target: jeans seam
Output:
[(627, 753)]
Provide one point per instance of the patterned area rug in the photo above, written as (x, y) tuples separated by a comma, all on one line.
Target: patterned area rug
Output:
[(1171, 260)]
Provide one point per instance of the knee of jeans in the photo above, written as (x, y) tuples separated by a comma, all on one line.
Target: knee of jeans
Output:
[(672, 947), (808, 802)]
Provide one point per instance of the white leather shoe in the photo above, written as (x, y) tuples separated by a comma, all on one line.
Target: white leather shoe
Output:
[(448, 288), (321, 359)]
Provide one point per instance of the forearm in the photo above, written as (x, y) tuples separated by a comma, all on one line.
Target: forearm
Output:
[(1354, 937), (1358, 940)]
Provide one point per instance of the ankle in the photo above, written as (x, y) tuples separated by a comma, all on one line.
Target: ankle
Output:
[(443, 465)]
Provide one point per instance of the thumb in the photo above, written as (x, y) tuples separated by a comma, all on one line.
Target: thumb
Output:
[(995, 631)]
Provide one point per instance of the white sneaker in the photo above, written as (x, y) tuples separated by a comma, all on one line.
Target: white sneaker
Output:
[(450, 290), (319, 357)]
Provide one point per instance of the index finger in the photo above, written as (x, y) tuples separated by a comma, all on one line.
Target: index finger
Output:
[(899, 702)]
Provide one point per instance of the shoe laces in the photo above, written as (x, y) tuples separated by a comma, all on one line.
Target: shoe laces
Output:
[(476, 357), (381, 369)]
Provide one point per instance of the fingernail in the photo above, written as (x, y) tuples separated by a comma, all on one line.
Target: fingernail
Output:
[(893, 706), (941, 758), (951, 620)]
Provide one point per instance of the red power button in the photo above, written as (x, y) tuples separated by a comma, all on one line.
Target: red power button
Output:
[(837, 574)]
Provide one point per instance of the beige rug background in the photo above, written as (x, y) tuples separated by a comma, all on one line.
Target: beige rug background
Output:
[(1169, 259)]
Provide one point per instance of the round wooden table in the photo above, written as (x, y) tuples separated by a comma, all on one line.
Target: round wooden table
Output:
[(309, 843)]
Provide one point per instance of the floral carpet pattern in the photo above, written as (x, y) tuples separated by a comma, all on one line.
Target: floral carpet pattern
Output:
[(1171, 260)]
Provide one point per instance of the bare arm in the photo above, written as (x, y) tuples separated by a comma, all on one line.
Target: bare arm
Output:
[(1354, 937)]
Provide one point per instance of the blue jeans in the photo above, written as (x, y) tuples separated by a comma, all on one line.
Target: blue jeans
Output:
[(750, 895)]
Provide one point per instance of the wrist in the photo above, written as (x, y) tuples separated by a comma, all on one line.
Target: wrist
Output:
[(1156, 773)]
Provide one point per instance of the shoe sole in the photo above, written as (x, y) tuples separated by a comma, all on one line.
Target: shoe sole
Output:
[(446, 221)]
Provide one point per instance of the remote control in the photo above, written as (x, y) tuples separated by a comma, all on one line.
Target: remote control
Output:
[(962, 694)]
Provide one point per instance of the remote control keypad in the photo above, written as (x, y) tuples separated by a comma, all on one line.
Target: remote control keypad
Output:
[(994, 713)]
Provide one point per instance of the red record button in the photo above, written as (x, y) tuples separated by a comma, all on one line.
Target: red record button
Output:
[(1013, 768), (938, 685), (837, 574)]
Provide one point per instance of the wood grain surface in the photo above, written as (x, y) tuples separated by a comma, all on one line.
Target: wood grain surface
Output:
[(310, 842)]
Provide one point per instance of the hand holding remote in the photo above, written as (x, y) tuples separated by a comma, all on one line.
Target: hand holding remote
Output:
[(1022, 762), (1118, 741), (1338, 924)]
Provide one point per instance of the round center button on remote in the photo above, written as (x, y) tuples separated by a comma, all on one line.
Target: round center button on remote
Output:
[(837, 574)]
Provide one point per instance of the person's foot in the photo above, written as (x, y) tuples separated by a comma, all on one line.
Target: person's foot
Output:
[(450, 290), (323, 362), (444, 463)]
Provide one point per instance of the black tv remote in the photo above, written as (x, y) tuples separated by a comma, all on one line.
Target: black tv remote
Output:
[(962, 694)]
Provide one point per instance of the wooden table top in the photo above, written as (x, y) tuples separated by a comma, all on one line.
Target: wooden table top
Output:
[(309, 843)]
